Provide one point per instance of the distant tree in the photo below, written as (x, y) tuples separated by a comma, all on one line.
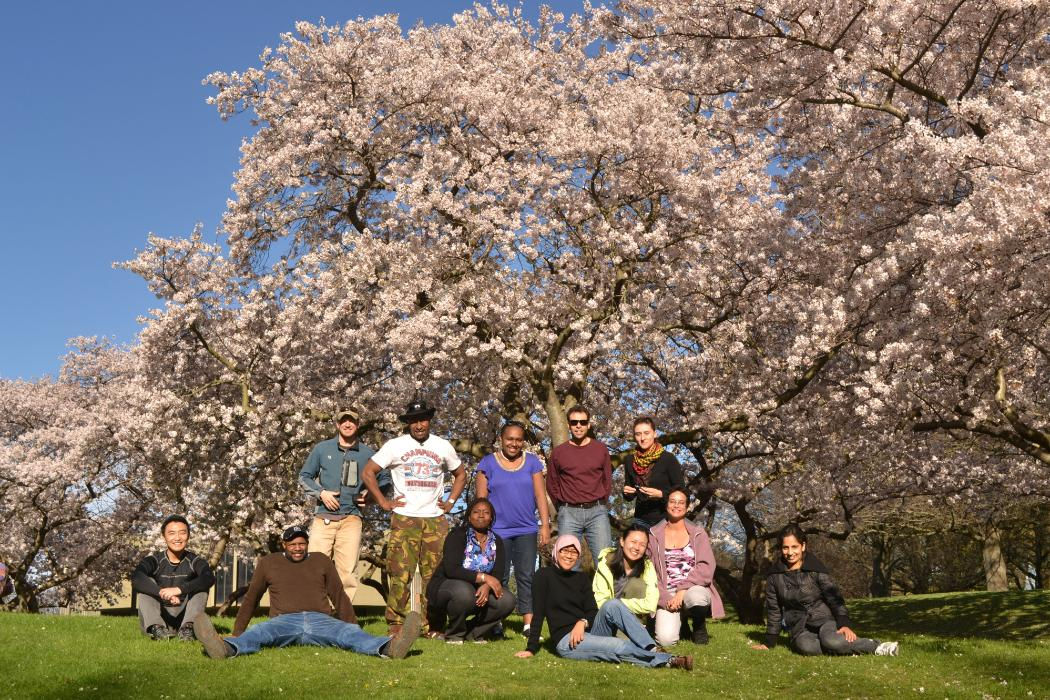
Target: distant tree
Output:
[(71, 497)]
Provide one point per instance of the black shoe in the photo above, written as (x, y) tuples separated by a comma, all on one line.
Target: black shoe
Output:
[(214, 646), (397, 648), (159, 632), (186, 633), (698, 616), (683, 662)]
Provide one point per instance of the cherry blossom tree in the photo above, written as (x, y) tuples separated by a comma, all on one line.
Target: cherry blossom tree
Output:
[(909, 142), (467, 212), (72, 498), (809, 238)]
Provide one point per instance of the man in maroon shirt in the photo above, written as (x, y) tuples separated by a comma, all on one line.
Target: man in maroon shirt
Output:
[(579, 479), (303, 587)]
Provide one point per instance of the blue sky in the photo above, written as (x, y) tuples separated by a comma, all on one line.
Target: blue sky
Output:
[(105, 136)]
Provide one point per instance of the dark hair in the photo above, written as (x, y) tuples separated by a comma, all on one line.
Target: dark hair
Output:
[(681, 490), (512, 424), (644, 419), (615, 559), (791, 530), (479, 500), (578, 408), (174, 519)]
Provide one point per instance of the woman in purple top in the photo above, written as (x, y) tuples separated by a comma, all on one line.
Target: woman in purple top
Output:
[(513, 480)]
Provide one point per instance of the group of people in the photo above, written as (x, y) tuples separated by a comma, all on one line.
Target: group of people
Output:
[(647, 587)]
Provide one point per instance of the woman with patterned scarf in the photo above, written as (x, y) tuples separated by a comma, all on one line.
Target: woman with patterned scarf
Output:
[(467, 581), (649, 474)]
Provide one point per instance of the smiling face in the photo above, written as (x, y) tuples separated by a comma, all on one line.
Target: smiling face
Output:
[(176, 535), (295, 549), (567, 557), (644, 436), (579, 424), (480, 517), (419, 429), (677, 505), (633, 545), (347, 429), (792, 551), (511, 441)]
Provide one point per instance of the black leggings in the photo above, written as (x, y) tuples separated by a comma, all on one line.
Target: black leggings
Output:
[(827, 640)]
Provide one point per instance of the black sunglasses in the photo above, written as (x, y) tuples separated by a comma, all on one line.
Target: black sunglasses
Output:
[(579, 421)]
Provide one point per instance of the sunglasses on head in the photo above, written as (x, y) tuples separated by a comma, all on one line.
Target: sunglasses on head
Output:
[(579, 421)]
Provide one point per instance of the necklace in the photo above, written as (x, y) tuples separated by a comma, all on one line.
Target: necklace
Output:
[(508, 465)]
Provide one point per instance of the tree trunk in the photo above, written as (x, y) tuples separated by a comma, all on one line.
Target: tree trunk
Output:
[(26, 598), (224, 609), (749, 594), (994, 563), (1039, 554), (218, 548), (880, 579), (559, 426)]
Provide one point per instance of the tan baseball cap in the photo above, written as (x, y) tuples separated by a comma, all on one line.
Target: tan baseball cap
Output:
[(350, 413)]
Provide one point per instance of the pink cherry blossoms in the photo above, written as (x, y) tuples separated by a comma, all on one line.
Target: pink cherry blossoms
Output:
[(810, 238)]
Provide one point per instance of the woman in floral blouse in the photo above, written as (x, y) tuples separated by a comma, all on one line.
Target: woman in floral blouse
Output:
[(466, 588)]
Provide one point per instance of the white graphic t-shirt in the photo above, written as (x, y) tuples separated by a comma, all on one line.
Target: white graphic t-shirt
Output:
[(418, 472)]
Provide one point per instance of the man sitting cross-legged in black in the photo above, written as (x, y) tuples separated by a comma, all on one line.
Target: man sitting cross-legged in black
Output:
[(304, 587), (172, 585)]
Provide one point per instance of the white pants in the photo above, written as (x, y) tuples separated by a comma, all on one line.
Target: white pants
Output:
[(669, 624)]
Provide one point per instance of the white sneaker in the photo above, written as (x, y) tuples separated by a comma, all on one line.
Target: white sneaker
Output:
[(526, 630), (887, 649)]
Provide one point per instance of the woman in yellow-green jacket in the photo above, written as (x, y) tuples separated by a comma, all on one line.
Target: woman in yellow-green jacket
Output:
[(625, 574)]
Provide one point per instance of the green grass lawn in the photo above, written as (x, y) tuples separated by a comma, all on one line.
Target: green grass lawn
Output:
[(966, 645)]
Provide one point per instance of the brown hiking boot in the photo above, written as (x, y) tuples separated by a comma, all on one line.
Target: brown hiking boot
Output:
[(397, 648), (683, 662), (214, 646)]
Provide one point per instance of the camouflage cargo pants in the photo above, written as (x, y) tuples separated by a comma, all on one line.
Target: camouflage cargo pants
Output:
[(413, 541)]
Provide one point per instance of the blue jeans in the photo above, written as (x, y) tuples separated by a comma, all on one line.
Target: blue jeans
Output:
[(308, 629), (590, 523), (602, 644), (521, 553)]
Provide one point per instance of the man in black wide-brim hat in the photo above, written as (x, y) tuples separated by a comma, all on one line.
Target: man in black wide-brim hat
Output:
[(418, 462)]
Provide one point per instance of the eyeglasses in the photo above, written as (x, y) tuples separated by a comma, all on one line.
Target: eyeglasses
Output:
[(568, 552), (579, 421)]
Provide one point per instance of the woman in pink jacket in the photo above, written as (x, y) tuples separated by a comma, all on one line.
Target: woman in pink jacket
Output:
[(685, 570)]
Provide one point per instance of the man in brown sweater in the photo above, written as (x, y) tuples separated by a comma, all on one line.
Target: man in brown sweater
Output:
[(303, 587)]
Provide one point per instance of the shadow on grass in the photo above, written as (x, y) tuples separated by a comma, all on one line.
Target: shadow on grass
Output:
[(111, 685), (1014, 616), (1009, 665)]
